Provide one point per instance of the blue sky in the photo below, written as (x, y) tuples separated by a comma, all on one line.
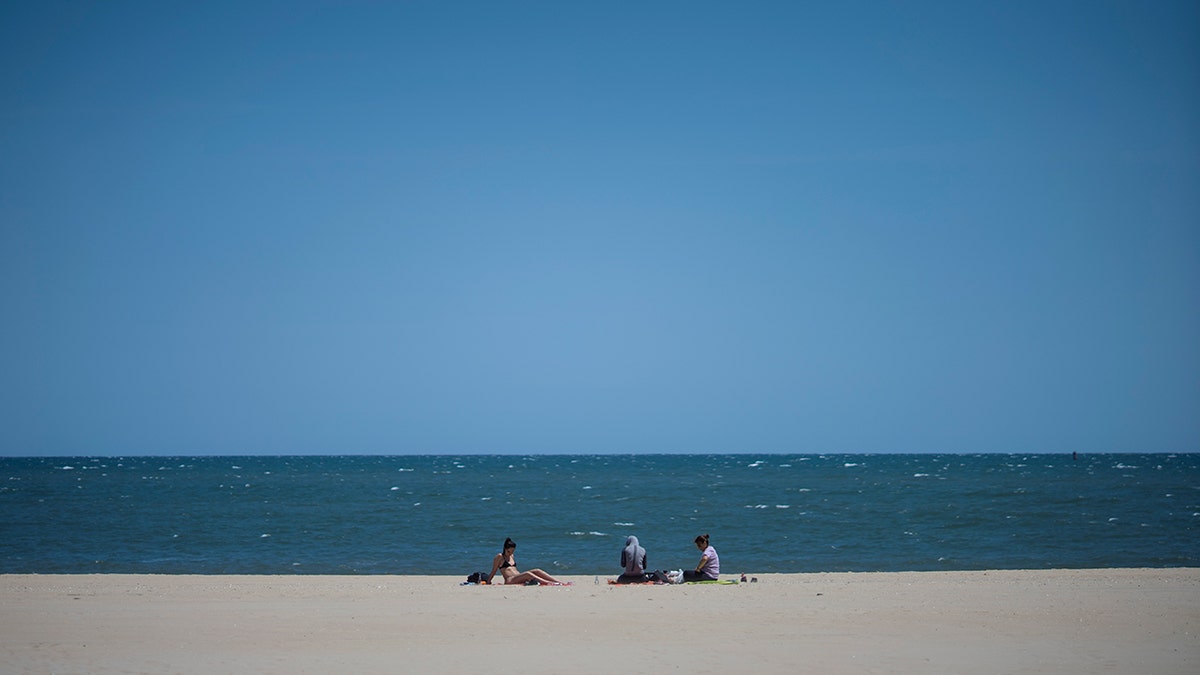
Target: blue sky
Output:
[(436, 227)]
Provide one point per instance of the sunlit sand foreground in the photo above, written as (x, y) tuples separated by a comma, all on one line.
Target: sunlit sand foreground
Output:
[(1054, 621)]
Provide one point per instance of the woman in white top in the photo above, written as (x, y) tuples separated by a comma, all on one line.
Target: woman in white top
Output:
[(709, 567)]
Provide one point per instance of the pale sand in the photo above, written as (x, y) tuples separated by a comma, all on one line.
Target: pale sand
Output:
[(1055, 621)]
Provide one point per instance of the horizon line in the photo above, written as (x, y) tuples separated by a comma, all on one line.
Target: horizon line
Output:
[(602, 454)]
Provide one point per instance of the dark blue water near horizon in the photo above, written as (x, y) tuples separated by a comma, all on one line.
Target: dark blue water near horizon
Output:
[(570, 514)]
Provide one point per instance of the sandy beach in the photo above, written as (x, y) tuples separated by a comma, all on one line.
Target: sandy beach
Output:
[(1054, 621)]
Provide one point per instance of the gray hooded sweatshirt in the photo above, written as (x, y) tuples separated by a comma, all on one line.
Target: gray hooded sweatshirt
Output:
[(633, 557)]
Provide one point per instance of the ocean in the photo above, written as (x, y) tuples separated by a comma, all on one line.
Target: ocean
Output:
[(570, 514)]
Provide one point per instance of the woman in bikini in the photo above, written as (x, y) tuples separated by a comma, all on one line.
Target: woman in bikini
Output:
[(508, 569)]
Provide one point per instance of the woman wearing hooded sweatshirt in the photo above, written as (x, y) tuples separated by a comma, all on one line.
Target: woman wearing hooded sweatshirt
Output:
[(633, 559)]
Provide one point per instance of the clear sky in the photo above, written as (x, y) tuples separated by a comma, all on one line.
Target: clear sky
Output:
[(576, 227)]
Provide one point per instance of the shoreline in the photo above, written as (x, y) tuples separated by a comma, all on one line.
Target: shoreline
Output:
[(1063, 621), (577, 575)]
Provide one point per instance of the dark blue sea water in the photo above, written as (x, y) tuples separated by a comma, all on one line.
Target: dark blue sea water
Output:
[(571, 514)]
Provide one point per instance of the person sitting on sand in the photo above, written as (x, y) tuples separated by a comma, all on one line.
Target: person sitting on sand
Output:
[(633, 559), (508, 569), (709, 566)]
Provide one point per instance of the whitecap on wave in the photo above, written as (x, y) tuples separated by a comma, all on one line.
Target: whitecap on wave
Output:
[(588, 534)]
